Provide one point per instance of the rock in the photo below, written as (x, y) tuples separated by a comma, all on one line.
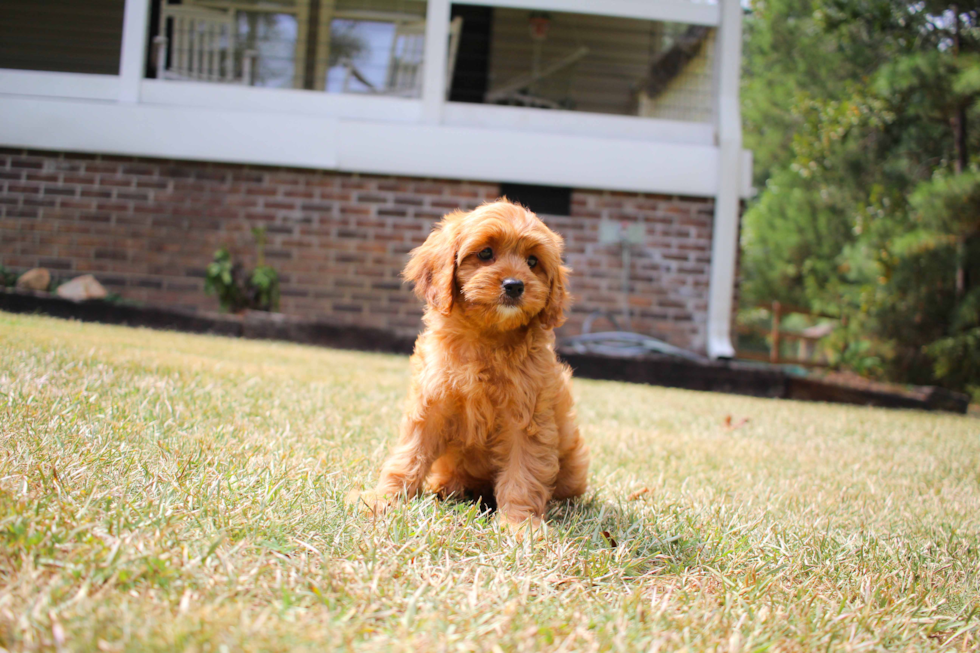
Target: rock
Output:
[(82, 288), (36, 279)]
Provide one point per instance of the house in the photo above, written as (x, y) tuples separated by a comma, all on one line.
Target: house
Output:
[(140, 135)]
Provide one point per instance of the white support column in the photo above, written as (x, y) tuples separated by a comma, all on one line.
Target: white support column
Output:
[(724, 240), (434, 77), (132, 60)]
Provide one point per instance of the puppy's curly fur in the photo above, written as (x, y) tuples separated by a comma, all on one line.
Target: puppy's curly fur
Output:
[(490, 408)]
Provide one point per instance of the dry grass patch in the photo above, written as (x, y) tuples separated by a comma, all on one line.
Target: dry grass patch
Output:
[(172, 492)]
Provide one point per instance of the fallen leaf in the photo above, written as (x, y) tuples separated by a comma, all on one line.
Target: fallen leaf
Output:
[(636, 495), (610, 539), (737, 425)]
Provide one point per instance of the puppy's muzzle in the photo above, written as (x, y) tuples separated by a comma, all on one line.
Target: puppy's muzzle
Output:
[(514, 288)]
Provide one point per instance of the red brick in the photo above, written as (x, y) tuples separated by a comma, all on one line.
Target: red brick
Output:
[(338, 240)]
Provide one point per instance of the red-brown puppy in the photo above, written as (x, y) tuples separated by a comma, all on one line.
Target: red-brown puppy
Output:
[(490, 408)]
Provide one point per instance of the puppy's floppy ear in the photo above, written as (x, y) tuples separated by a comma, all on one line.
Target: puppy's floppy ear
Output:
[(432, 267), (553, 314)]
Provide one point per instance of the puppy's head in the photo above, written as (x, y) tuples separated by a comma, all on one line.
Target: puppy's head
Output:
[(499, 265)]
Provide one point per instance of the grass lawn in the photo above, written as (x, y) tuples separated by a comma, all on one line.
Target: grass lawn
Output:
[(162, 491)]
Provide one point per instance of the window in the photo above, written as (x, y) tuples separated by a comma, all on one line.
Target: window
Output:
[(61, 35), (271, 38), (578, 62), (371, 56), (337, 46)]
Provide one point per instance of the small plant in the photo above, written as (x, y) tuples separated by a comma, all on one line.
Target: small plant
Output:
[(8, 278), (223, 279), (237, 291), (264, 280)]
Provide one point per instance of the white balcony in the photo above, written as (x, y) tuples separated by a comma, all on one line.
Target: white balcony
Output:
[(630, 95), (618, 94)]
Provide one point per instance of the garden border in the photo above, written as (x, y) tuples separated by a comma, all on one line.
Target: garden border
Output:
[(732, 377)]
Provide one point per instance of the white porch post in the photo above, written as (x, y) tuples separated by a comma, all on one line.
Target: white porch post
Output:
[(434, 77), (132, 60), (724, 239)]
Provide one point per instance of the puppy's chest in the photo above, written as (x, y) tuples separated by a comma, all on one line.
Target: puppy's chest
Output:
[(489, 400), (500, 384)]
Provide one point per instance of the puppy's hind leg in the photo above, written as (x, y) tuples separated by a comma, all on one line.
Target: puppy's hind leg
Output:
[(573, 469), (573, 454)]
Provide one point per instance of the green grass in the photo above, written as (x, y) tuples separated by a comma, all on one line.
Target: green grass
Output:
[(161, 491)]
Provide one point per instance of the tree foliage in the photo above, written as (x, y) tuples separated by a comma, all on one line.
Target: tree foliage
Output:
[(861, 114)]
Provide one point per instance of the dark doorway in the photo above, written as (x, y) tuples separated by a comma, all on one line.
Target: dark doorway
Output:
[(547, 200), (470, 76)]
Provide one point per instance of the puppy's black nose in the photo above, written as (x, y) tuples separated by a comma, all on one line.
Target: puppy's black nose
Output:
[(513, 287)]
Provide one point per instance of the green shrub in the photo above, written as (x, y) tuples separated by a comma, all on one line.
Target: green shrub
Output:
[(263, 288), (957, 360), (237, 291), (223, 279), (8, 278), (264, 281)]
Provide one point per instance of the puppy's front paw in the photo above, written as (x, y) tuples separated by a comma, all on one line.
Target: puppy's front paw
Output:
[(522, 526), (370, 502), (446, 488)]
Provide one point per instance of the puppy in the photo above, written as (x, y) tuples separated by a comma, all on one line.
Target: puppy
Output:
[(490, 408)]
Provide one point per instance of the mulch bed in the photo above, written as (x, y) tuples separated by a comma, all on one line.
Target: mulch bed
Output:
[(733, 377)]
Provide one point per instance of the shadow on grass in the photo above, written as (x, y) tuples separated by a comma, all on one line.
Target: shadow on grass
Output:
[(619, 531), (614, 524), (598, 525)]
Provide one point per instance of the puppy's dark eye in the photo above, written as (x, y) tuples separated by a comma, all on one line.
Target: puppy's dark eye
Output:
[(485, 254), (532, 261)]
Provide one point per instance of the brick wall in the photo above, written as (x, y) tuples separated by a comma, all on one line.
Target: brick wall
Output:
[(147, 229), (668, 274)]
